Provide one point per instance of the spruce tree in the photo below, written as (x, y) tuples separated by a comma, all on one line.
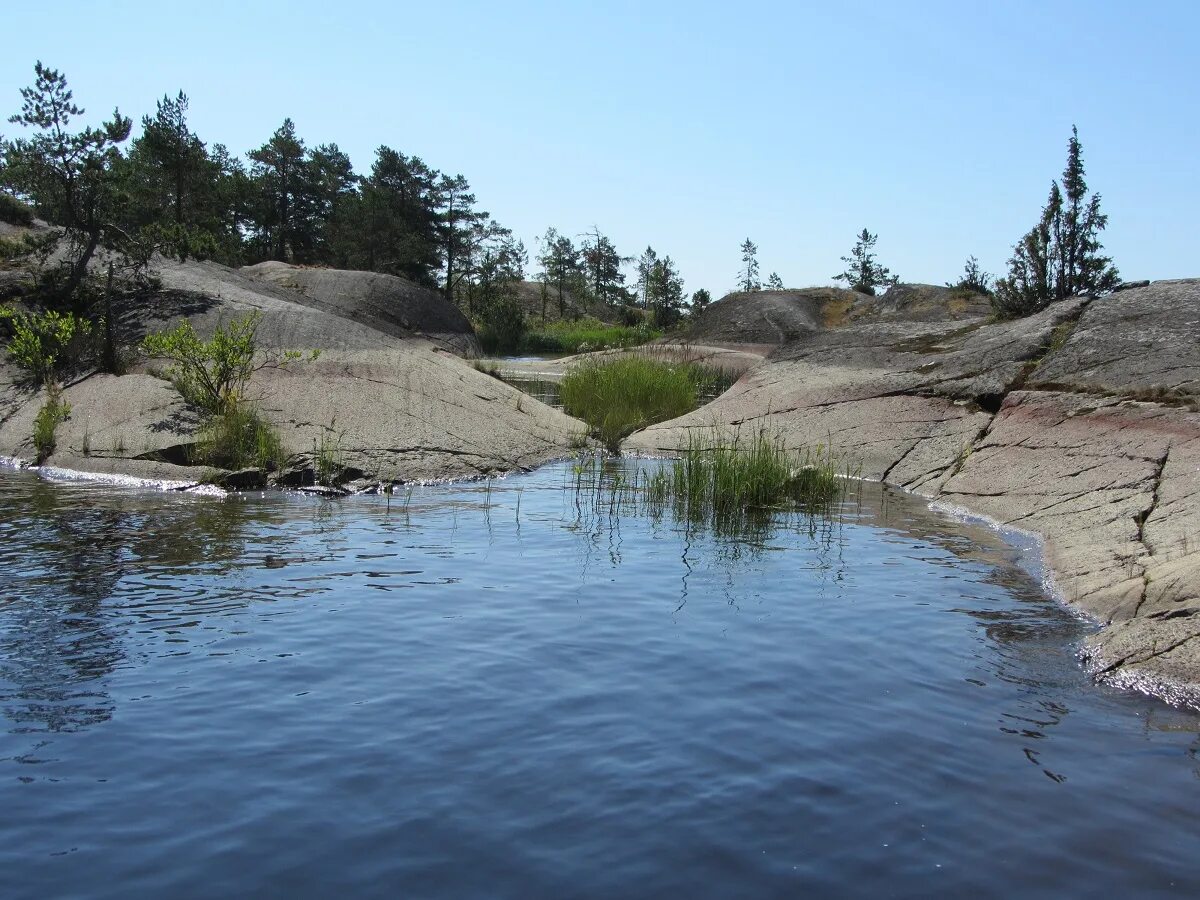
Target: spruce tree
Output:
[(1061, 255), (748, 274), (862, 272)]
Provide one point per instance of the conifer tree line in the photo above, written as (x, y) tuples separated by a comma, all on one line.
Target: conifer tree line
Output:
[(169, 191)]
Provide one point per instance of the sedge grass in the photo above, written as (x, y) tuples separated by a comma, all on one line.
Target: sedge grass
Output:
[(619, 395), (239, 438), (736, 486)]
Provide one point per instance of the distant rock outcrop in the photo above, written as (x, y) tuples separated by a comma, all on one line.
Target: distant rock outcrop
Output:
[(386, 303), (777, 317)]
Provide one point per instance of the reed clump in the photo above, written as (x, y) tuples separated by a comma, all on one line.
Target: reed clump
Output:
[(726, 480), (619, 395), (734, 484), (238, 438)]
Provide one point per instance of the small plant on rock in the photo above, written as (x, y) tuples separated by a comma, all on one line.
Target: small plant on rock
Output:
[(49, 417), (40, 343)]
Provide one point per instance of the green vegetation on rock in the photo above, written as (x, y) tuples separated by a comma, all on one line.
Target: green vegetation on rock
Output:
[(41, 343), (618, 396), (45, 424), (239, 438)]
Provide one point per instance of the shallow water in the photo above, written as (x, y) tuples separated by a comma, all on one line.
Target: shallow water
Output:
[(449, 695)]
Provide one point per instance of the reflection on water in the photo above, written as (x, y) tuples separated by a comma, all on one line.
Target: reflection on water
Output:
[(514, 687)]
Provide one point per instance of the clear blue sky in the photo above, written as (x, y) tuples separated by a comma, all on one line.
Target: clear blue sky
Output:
[(693, 125)]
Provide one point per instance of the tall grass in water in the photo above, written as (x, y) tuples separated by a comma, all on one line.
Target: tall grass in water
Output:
[(732, 484), (585, 335), (617, 396), (725, 481)]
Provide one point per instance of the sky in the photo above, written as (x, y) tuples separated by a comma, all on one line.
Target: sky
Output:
[(691, 126)]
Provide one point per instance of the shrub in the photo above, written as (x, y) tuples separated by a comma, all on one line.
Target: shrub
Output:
[(41, 342), (503, 327), (49, 417), (618, 396), (212, 374), (209, 374), (13, 211), (239, 438)]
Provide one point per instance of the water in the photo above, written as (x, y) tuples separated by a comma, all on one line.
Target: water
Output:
[(284, 696)]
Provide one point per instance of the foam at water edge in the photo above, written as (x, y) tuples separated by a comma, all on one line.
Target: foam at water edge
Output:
[(53, 473)]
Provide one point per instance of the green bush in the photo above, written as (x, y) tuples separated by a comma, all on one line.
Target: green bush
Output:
[(13, 211), (209, 374), (239, 438), (618, 396), (49, 417), (40, 343), (213, 374)]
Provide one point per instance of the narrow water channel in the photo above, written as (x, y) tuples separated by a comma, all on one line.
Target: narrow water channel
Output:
[(509, 690)]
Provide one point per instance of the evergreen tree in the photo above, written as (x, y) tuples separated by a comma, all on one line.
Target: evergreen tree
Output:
[(72, 179), (458, 219), (393, 225), (700, 301), (561, 266), (1061, 255), (603, 264), (774, 282), (170, 171), (748, 274), (645, 268), (862, 272), (278, 170), (665, 292)]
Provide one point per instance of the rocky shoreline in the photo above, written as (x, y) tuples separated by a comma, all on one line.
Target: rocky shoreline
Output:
[(1078, 425)]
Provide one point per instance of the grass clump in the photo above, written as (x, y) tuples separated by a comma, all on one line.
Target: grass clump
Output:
[(45, 424), (726, 481), (618, 396), (239, 438), (488, 367), (586, 335)]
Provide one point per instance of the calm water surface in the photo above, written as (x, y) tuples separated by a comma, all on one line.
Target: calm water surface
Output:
[(283, 696)]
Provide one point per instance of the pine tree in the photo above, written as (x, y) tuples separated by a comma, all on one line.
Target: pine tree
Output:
[(73, 179), (170, 172), (665, 292), (774, 282), (459, 219), (277, 168), (863, 273), (748, 274), (561, 266), (1061, 256), (700, 301), (603, 264), (645, 268)]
